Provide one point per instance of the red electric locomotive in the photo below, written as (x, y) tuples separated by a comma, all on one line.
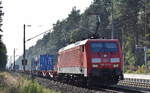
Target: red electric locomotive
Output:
[(91, 61)]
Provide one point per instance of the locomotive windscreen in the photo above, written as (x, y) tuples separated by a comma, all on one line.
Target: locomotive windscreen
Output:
[(104, 47)]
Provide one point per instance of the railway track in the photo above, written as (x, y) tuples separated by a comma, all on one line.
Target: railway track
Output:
[(67, 88), (140, 80), (124, 86), (135, 83), (119, 89)]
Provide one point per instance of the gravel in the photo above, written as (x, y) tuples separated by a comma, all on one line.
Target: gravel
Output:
[(64, 88)]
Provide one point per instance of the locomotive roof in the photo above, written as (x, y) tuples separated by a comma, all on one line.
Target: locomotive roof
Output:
[(73, 45), (82, 43)]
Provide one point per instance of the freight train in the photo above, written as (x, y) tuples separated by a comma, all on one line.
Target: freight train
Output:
[(88, 62)]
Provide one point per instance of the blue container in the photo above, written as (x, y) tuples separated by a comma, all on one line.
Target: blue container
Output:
[(47, 62), (34, 64)]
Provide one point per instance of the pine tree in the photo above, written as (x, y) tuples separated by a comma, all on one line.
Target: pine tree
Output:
[(3, 57)]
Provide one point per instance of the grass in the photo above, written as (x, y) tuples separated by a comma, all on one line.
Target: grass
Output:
[(31, 86), (19, 84)]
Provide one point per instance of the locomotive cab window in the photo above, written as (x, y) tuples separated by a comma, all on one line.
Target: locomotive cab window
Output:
[(104, 47)]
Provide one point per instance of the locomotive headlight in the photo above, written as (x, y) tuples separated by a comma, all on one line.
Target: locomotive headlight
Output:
[(116, 65), (113, 60), (95, 65)]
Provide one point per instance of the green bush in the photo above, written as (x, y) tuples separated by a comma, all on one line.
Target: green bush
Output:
[(137, 69), (129, 71), (31, 86)]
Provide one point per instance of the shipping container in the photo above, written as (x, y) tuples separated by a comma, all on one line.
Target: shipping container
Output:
[(47, 62), (34, 64)]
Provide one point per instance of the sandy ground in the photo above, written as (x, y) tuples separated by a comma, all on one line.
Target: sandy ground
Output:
[(8, 82)]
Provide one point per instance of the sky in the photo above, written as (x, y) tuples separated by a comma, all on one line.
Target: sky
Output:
[(40, 14)]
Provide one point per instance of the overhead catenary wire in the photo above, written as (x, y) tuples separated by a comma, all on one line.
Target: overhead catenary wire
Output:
[(38, 35)]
